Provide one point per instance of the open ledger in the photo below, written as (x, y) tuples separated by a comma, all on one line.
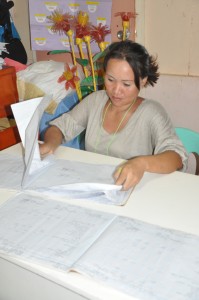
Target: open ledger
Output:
[(69, 179), (140, 259)]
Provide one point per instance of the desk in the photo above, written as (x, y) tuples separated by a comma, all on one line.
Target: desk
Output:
[(167, 200)]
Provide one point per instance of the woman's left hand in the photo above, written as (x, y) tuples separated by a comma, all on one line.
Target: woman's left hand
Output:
[(129, 173), (132, 171)]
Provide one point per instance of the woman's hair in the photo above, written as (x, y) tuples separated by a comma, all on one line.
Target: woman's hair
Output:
[(142, 64)]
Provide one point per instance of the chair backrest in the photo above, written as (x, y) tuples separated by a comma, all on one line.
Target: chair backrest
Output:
[(190, 140)]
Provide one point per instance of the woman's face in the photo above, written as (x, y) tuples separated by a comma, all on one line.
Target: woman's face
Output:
[(119, 82)]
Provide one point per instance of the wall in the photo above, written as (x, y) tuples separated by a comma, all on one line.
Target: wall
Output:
[(116, 25), (170, 30), (180, 96), (21, 20), (20, 16)]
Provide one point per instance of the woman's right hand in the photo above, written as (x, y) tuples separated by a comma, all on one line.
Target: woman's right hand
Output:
[(45, 149), (52, 139)]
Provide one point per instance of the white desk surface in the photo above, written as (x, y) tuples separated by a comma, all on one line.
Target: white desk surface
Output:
[(170, 200)]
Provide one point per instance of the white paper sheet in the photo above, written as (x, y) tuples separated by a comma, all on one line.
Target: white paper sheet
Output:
[(11, 170), (66, 179), (78, 180), (73, 180), (49, 232), (140, 259), (28, 115), (144, 261), (3, 48)]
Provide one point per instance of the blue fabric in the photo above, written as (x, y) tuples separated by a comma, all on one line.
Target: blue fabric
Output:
[(15, 34), (64, 106), (1, 33)]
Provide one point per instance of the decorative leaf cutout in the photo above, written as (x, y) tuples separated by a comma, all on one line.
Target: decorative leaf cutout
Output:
[(82, 61), (58, 51), (99, 55), (86, 90), (88, 81)]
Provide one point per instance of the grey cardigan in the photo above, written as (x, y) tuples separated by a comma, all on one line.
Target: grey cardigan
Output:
[(148, 131)]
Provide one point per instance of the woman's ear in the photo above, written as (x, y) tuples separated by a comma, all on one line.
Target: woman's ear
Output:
[(143, 82)]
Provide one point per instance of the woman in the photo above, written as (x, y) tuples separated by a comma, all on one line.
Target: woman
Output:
[(120, 123)]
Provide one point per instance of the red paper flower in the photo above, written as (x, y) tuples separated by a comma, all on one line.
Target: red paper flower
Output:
[(82, 31), (60, 22), (99, 32), (69, 76), (126, 16), (82, 25)]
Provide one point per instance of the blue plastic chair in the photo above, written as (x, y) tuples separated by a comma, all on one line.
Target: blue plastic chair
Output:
[(190, 140)]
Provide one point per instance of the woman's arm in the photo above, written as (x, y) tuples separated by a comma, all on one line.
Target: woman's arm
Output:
[(131, 172), (52, 139)]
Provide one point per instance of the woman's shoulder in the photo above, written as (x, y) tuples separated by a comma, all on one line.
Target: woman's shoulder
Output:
[(152, 105), (101, 94), (98, 97), (151, 111)]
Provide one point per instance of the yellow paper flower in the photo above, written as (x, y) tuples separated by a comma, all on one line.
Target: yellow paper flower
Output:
[(82, 18)]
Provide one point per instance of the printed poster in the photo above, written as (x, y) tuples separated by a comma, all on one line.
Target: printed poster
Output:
[(43, 39)]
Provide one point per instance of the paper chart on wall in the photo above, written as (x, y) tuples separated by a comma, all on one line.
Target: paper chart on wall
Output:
[(42, 37)]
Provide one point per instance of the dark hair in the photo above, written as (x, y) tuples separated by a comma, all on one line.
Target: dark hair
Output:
[(142, 64)]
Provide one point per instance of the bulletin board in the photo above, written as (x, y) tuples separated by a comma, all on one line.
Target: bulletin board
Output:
[(42, 37), (111, 7)]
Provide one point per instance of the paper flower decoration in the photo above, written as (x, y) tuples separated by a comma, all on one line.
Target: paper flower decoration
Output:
[(87, 39), (83, 19), (82, 29), (72, 81), (126, 16), (98, 34), (83, 32), (60, 22), (69, 76)]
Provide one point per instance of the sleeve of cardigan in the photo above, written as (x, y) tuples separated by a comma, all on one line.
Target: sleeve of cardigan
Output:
[(75, 121), (164, 136)]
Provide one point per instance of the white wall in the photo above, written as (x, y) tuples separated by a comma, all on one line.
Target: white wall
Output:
[(180, 96), (20, 16), (170, 30)]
